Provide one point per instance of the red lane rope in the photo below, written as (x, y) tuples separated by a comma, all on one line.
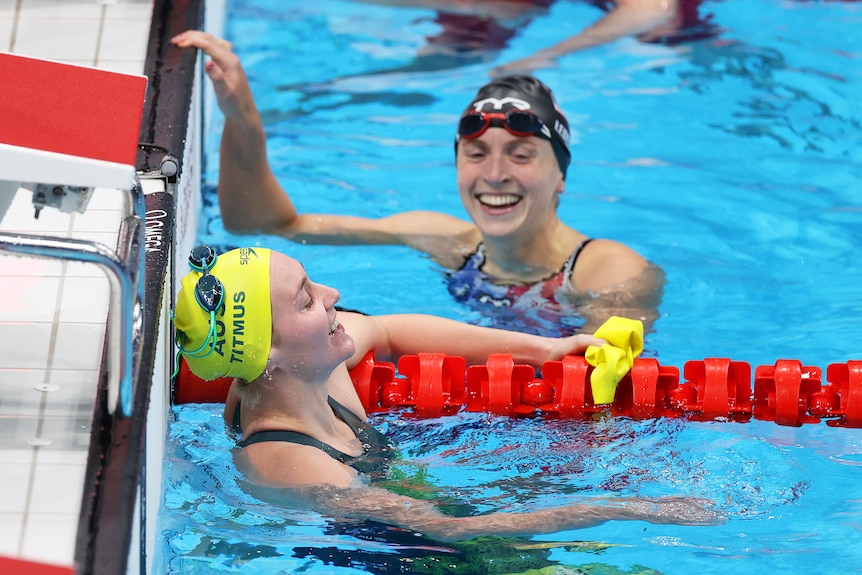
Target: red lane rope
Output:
[(787, 392)]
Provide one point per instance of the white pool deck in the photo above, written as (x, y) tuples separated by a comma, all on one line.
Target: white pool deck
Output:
[(53, 314)]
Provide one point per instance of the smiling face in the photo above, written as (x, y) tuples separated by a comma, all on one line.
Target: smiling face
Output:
[(307, 339), (508, 184)]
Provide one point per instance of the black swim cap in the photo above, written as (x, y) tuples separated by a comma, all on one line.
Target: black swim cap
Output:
[(524, 92)]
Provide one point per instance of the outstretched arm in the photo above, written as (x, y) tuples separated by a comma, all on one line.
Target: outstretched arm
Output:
[(253, 201), (424, 516), (391, 336), (492, 9), (627, 18)]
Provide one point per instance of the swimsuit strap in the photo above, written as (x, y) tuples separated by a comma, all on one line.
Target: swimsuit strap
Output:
[(236, 424), (569, 268), (295, 437), (476, 260), (359, 428), (373, 441), (481, 255), (351, 419)]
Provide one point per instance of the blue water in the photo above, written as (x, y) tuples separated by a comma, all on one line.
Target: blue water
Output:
[(733, 163)]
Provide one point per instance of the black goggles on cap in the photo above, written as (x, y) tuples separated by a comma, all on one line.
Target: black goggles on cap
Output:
[(209, 291)]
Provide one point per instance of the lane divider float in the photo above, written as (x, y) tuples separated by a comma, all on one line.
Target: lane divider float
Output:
[(431, 384)]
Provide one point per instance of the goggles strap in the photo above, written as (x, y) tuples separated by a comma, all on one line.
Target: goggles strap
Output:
[(209, 341)]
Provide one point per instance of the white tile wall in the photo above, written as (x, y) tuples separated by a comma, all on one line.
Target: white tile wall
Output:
[(52, 314)]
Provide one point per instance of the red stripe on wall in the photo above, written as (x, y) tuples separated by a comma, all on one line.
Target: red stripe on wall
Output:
[(21, 567), (69, 109)]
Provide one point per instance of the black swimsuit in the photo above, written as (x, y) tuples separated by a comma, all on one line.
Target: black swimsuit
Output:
[(378, 450)]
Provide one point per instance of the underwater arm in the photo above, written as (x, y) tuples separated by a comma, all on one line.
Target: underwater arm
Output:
[(496, 9), (417, 515), (627, 18)]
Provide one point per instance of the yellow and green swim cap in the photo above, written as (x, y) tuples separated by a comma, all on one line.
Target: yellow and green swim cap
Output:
[(234, 339)]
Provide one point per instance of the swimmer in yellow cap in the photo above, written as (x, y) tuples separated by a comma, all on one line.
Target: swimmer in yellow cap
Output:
[(254, 314), (213, 312)]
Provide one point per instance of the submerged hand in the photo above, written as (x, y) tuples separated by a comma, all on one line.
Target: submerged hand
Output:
[(225, 70), (676, 510)]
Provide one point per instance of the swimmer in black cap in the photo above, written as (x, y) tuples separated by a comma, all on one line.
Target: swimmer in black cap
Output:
[(512, 154), (524, 106)]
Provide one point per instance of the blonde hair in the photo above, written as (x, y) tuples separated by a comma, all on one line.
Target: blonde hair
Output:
[(249, 392)]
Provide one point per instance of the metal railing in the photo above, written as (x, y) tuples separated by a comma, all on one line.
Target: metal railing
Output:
[(124, 268)]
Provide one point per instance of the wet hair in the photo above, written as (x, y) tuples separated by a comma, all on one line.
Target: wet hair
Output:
[(249, 392), (525, 92)]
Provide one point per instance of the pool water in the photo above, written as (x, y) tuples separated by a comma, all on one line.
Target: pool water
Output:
[(734, 163)]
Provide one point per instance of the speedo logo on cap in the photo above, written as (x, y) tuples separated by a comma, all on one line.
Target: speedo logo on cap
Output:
[(245, 255), (498, 103)]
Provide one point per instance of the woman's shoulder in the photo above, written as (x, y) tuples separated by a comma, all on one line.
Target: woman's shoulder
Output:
[(600, 248), (285, 464), (603, 262)]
